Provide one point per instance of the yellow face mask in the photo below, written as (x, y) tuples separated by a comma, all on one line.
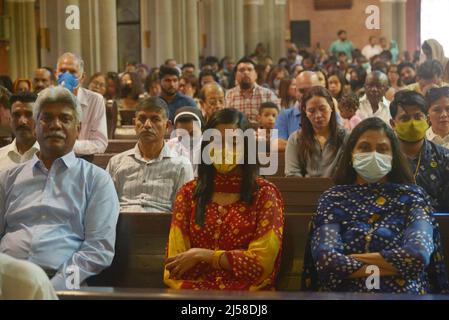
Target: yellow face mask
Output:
[(412, 131), (225, 160)]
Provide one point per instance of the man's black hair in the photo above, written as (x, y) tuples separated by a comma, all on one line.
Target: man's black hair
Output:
[(168, 71), (408, 98), (429, 69)]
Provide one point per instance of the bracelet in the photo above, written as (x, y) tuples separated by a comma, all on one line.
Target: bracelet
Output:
[(216, 259)]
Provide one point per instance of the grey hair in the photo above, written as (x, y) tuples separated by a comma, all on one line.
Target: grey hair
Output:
[(57, 95), (76, 57)]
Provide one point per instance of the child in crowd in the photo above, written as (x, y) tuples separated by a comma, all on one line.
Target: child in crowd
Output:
[(268, 113), (186, 138), (348, 106)]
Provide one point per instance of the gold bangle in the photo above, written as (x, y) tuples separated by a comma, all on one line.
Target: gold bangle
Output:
[(216, 259)]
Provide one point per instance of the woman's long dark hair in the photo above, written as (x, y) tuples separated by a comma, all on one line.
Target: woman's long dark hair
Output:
[(400, 172), (206, 172), (306, 135)]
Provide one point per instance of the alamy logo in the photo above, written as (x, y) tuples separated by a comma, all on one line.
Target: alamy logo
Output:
[(72, 22), (373, 20), (72, 277), (373, 280)]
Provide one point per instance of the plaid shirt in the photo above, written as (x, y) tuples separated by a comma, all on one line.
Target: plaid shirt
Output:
[(249, 104)]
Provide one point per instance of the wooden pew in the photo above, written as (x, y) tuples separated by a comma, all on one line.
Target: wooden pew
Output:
[(142, 238), (110, 293), (119, 146), (301, 194), (102, 160)]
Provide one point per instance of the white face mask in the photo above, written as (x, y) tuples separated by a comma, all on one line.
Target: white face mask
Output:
[(372, 166)]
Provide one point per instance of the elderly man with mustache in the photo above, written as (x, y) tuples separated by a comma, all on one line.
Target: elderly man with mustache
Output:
[(22, 124), (56, 210), (148, 176)]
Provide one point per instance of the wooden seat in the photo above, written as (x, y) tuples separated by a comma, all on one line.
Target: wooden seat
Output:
[(110, 293), (142, 239), (119, 146), (102, 160), (301, 194)]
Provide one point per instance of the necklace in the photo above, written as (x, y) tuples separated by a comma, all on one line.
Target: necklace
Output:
[(417, 167)]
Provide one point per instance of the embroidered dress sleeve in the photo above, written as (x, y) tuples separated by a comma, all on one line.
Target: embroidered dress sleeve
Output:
[(179, 239), (413, 254), (259, 264), (327, 248)]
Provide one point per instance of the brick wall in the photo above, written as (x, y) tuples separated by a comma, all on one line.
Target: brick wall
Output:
[(325, 24)]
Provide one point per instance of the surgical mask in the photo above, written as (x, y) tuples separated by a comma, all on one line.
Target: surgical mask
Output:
[(68, 81), (225, 160), (412, 130), (372, 166)]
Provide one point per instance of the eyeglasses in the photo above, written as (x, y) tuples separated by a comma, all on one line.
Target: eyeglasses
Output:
[(98, 84)]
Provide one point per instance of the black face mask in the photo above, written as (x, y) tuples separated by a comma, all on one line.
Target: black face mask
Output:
[(126, 90), (355, 84)]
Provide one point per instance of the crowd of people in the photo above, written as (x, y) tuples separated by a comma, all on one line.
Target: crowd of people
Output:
[(374, 120)]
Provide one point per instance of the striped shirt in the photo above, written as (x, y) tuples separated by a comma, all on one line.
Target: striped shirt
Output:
[(249, 103), (149, 186)]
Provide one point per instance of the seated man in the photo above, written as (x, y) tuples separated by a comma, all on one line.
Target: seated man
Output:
[(23, 280), (24, 146), (93, 137), (58, 211), (147, 177), (429, 162), (169, 78)]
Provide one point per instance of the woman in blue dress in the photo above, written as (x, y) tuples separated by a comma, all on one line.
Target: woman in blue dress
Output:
[(374, 221)]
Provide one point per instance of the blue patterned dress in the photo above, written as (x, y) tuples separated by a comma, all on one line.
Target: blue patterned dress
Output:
[(394, 220)]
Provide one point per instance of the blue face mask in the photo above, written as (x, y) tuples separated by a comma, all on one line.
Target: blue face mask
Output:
[(68, 81), (372, 166)]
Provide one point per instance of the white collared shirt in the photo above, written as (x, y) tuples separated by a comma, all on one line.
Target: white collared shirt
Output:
[(442, 141), (93, 137), (149, 186), (365, 111), (10, 155), (370, 51)]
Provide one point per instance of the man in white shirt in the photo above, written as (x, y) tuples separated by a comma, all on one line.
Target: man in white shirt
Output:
[(374, 103), (371, 49), (148, 176), (93, 137), (22, 124), (23, 280)]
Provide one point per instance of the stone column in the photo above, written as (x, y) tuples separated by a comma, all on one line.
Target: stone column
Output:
[(108, 45), (252, 31), (69, 40), (277, 42), (23, 45), (216, 38), (157, 30), (234, 31), (192, 33), (401, 25)]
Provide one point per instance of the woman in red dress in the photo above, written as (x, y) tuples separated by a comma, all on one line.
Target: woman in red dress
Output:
[(226, 231)]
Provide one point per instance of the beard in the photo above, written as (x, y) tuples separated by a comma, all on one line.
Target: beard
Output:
[(245, 85)]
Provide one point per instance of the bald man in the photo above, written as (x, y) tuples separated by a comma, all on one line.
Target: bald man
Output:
[(93, 137), (212, 99), (289, 120), (374, 103)]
